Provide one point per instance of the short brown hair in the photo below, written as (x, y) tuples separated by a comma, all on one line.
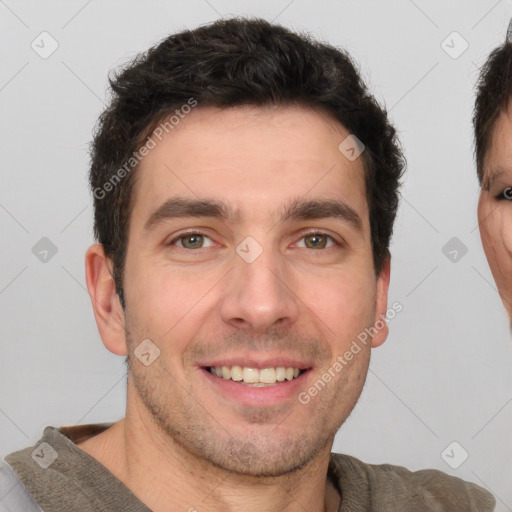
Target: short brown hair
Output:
[(494, 91)]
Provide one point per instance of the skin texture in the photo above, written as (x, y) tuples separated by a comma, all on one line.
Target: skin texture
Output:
[(495, 208), (182, 440)]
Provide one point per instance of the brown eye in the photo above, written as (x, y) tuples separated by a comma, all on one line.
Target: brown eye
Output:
[(192, 241), (317, 241)]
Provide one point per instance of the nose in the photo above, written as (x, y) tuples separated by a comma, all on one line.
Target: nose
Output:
[(259, 295)]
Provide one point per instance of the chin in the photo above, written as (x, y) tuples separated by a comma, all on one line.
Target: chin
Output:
[(257, 460)]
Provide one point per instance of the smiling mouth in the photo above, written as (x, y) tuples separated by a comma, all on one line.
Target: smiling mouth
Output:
[(256, 377)]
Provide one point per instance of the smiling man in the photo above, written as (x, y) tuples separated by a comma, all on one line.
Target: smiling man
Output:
[(245, 187)]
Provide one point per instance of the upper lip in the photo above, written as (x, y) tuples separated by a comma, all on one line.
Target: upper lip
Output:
[(259, 362)]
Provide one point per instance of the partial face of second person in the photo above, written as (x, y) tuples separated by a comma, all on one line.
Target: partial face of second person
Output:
[(495, 207), (300, 303)]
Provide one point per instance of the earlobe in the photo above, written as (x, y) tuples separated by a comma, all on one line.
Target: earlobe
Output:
[(381, 305), (107, 309)]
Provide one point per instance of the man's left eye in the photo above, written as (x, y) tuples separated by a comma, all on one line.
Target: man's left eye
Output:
[(505, 194), (317, 241), (192, 241)]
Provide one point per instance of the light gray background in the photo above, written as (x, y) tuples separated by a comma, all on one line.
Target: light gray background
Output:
[(444, 374)]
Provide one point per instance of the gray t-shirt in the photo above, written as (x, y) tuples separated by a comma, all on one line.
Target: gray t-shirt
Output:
[(60, 477)]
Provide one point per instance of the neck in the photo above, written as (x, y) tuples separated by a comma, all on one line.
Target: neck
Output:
[(161, 472)]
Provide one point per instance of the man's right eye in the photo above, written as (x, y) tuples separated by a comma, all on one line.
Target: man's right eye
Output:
[(191, 241)]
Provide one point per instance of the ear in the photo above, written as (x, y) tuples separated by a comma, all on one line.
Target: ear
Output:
[(381, 305), (107, 308)]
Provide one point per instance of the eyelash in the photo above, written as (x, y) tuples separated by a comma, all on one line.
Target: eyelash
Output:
[(190, 233)]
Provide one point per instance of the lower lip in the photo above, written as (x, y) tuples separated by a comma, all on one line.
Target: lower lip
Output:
[(258, 396)]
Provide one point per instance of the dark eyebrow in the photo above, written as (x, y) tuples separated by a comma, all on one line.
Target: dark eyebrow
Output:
[(301, 209), (183, 207), (298, 209), (491, 176)]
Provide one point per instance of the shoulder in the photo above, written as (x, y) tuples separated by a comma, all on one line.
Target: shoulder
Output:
[(427, 489), (13, 494)]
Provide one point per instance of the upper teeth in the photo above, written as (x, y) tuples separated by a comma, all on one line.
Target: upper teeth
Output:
[(254, 375)]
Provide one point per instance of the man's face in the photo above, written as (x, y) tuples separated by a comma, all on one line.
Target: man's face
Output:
[(285, 279), (495, 208)]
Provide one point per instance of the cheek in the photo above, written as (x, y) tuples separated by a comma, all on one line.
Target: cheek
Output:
[(488, 226), (496, 234), (505, 229), (344, 301), (164, 303)]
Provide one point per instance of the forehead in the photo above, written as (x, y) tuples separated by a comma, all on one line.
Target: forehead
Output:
[(253, 158)]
